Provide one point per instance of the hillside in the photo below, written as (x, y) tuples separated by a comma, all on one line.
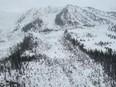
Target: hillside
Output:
[(40, 50)]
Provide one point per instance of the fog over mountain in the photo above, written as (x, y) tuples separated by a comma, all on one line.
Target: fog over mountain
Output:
[(21, 5)]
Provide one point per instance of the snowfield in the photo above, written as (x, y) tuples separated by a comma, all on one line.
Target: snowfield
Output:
[(98, 37), (46, 58), (60, 67)]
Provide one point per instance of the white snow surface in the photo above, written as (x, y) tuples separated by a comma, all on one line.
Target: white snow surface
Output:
[(60, 67), (61, 63), (91, 37)]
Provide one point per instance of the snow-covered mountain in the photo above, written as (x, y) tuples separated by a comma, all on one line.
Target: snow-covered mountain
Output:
[(39, 50), (73, 15)]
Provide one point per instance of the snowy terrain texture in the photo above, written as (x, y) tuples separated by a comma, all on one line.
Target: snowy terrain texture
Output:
[(36, 50)]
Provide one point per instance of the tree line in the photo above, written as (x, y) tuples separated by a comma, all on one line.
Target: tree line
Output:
[(107, 59)]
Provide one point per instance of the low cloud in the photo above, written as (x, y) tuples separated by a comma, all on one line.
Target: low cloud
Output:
[(21, 5)]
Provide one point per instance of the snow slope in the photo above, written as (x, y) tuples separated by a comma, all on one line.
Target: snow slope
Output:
[(62, 65), (99, 38), (58, 63)]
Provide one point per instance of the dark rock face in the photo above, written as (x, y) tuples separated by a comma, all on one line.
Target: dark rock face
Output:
[(37, 23)]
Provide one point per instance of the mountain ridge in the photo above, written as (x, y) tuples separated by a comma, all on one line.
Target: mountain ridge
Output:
[(46, 47)]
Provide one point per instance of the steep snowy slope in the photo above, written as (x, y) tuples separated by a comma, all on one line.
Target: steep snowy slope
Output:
[(60, 65), (95, 38), (45, 16), (92, 27), (37, 53), (75, 16)]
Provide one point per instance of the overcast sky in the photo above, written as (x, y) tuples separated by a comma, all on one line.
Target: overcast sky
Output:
[(22, 5)]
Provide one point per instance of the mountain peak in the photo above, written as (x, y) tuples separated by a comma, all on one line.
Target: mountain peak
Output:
[(52, 47), (72, 7)]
